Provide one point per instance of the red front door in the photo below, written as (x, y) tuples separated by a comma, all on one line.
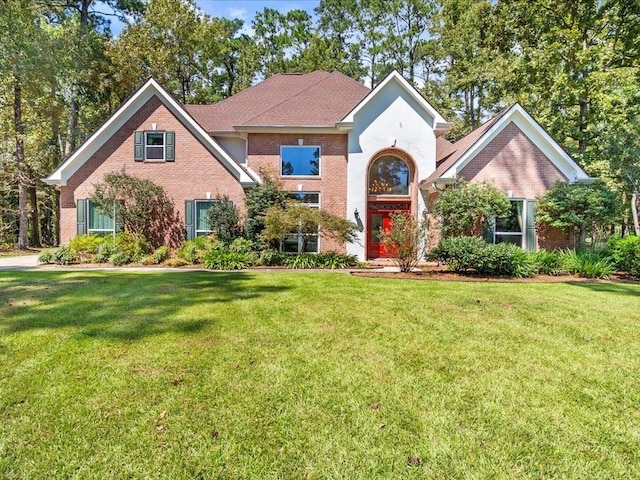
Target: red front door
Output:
[(379, 220)]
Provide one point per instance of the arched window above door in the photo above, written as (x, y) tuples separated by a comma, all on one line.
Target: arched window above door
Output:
[(389, 175)]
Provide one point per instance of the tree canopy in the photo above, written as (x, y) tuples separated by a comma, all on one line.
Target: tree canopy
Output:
[(575, 66)]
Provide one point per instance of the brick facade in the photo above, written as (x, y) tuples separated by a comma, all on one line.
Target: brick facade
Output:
[(264, 155), (193, 173), (511, 161)]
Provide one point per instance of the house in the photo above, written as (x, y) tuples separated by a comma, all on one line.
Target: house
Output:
[(332, 142)]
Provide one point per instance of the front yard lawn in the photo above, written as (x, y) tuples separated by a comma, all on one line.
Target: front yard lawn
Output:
[(276, 375)]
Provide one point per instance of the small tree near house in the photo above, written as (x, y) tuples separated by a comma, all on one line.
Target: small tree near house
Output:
[(466, 208), (141, 205), (405, 241), (306, 222), (579, 209), (224, 220)]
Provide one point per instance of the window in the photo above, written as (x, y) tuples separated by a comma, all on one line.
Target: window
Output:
[(196, 217), (300, 161), (94, 221), (295, 242), (202, 220), (154, 146), (389, 175), (518, 227)]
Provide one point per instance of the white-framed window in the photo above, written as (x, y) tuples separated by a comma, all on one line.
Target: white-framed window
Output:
[(202, 207), (98, 221), (196, 215), (300, 161), (303, 242), (154, 146), (518, 227)]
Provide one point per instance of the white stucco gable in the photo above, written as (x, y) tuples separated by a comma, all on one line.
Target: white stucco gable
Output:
[(393, 116), (151, 88)]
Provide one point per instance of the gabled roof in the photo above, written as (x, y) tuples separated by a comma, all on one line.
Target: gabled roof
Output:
[(440, 125), (151, 88), (318, 99), (452, 158)]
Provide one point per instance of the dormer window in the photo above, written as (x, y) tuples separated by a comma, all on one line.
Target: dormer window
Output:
[(154, 146)]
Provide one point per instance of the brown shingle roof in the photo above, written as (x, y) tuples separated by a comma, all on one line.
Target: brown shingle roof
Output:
[(448, 153), (313, 99)]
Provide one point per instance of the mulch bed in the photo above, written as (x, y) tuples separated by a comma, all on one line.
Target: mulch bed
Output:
[(442, 274)]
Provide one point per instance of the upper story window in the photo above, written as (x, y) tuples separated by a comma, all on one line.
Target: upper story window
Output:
[(300, 161), (389, 175), (154, 145)]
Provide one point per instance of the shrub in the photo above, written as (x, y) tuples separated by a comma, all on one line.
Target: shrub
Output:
[(62, 255), (270, 257), (85, 247), (176, 262), (625, 253), (120, 257), (459, 253), (302, 260), (160, 255), (224, 220), (472, 253), (193, 250), (466, 207), (405, 240), (134, 245), (46, 257), (335, 260), (105, 250), (241, 245), (225, 259), (587, 264), (549, 263)]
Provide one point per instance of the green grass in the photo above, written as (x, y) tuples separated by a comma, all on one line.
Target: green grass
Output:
[(273, 375)]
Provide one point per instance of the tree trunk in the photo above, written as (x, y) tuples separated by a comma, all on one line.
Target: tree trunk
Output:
[(18, 126), (634, 212), (36, 239)]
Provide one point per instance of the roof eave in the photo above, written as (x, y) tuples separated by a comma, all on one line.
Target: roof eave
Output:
[(287, 129)]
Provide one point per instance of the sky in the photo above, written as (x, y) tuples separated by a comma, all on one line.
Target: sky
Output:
[(242, 9)]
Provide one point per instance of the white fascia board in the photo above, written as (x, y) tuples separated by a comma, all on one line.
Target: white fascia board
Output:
[(286, 129), (62, 174), (519, 116), (439, 120)]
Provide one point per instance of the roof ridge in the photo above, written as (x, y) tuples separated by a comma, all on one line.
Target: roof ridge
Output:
[(288, 99)]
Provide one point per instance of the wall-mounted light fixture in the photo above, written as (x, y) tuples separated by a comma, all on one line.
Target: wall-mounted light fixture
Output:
[(301, 141), (208, 195), (510, 193), (356, 215), (154, 126)]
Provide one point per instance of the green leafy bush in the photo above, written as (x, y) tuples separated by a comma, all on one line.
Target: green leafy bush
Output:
[(625, 252), (460, 253), (63, 255), (46, 257), (85, 247), (120, 257), (549, 262), (271, 257), (472, 253), (160, 254), (134, 245), (587, 264), (334, 260), (302, 260), (224, 220), (105, 250), (193, 250)]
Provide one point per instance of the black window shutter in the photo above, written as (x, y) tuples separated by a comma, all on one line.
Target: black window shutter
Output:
[(81, 216), (138, 146), (188, 219), (170, 146)]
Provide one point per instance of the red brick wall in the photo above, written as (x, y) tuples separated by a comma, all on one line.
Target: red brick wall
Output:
[(513, 162), (194, 172), (264, 155)]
